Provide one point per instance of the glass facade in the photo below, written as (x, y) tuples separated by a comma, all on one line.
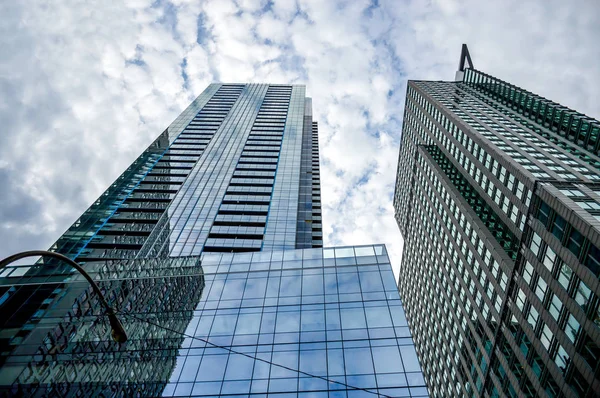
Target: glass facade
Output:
[(296, 323), (209, 248), (497, 199), (224, 176)]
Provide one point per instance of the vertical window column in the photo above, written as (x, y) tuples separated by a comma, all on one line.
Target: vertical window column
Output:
[(242, 216)]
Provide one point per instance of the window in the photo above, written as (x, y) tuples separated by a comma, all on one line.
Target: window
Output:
[(575, 242), (555, 307), (592, 260), (564, 275), (558, 228), (562, 358), (528, 272), (541, 288), (536, 241), (533, 317), (589, 205), (572, 328), (543, 213), (549, 259), (582, 295)]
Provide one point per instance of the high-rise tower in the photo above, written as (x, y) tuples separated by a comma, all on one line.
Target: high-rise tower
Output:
[(498, 200), (223, 177), (210, 248)]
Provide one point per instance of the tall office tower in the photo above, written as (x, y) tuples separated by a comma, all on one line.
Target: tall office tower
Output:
[(210, 248), (498, 199)]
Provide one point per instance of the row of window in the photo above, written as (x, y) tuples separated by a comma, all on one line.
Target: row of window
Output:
[(264, 142), (576, 127), (482, 159), (570, 237), (558, 141), (186, 149), (416, 251)]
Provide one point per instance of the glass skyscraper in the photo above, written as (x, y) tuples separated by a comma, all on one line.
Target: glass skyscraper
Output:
[(498, 199), (209, 247)]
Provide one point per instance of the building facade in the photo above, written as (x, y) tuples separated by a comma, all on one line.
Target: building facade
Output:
[(498, 200), (209, 246)]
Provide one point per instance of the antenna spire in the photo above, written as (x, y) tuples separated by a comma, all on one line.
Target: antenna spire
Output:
[(465, 56)]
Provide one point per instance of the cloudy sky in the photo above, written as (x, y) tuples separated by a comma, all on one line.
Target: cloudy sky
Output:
[(86, 85)]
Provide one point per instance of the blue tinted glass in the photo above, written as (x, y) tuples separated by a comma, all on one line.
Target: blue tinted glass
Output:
[(239, 367), (287, 322), (358, 361), (274, 316), (212, 368), (353, 318), (378, 317)]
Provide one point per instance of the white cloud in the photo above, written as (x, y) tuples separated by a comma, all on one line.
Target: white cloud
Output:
[(271, 28), (84, 87), (285, 9)]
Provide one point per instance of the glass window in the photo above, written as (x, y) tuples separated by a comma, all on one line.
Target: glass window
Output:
[(328, 253), (387, 360), (188, 373), (575, 242), (528, 272), (572, 328), (555, 307), (536, 241), (533, 316), (344, 252), (558, 228), (364, 251), (409, 359), (212, 368), (540, 289), (549, 259), (314, 362), (546, 336), (370, 281), (379, 250), (223, 325), (592, 260), (248, 324), (287, 322), (520, 300), (239, 367), (562, 358), (353, 318), (358, 361), (582, 295), (378, 317), (564, 276), (312, 320), (348, 282)]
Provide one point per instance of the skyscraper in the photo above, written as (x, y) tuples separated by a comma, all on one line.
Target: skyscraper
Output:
[(210, 248), (498, 200)]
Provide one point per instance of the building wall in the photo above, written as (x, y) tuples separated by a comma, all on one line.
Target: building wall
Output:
[(224, 176), (209, 247), (477, 157)]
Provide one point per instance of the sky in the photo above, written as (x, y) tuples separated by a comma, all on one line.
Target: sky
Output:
[(86, 86)]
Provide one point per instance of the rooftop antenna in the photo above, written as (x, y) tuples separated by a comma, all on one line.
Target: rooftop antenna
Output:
[(464, 56)]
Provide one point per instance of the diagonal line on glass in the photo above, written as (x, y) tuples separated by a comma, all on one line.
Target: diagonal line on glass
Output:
[(252, 357)]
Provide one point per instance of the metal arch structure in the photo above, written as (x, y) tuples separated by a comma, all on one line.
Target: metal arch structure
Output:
[(118, 332), (465, 56)]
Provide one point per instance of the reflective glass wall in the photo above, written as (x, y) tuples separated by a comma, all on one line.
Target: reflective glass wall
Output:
[(298, 323)]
